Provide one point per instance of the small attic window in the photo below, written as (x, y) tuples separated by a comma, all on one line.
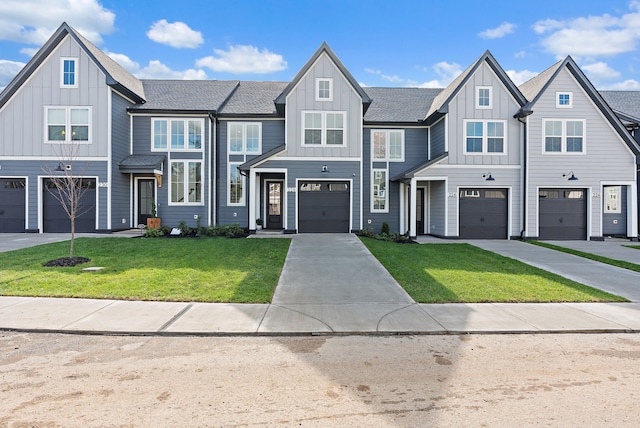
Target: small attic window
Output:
[(564, 100), (483, 97), (68, 73), (324, 89)]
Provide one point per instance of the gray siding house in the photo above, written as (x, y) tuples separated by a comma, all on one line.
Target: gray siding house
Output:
[(481, 158)]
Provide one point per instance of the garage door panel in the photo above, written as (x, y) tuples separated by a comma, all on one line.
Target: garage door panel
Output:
[(323, 207), (562, 214), (483, 214), (55, 218), (12, 208)]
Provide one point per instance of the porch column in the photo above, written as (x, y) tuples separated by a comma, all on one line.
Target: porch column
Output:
[(632, 216), (251, 197), (402, 208), (413, 193)]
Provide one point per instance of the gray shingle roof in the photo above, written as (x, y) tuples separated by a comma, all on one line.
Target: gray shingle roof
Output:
[(254, 98), (533, 86), (625, 102), (399, 104), (191, 95)]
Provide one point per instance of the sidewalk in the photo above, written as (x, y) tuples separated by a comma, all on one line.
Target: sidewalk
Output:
[(331, 284)]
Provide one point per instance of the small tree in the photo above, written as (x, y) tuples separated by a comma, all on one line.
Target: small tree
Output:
[(68, 187)]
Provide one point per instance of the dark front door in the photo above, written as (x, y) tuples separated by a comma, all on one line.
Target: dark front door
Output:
[(420, 211), (145, 200), (274, 216)]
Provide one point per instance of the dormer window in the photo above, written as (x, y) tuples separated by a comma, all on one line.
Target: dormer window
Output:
[(324, 89), (68, 73), (564, 99), (483, 97)]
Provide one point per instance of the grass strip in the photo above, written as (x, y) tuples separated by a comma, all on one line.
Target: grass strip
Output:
[(613, 262), (446, 273)]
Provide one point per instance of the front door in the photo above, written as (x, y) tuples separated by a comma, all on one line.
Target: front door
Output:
[(274, 195), (145, 199), (420, 211)]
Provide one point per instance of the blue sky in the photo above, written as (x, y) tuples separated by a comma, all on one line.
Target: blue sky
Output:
[(400, 43)]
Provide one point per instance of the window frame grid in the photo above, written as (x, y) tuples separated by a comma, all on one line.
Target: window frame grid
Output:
[(68, 132), (563, 137), (244, 138), (485, 137), (169, 147), (186, 182), (387, 147), (323, 128)]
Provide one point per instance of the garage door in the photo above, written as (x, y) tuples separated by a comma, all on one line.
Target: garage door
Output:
[(562, 214), (483, 214), (55, 218), (12, 208), (323, 207)]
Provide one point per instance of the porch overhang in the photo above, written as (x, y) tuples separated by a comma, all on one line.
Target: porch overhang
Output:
[(263, 157), (409, 174), (142, 164)]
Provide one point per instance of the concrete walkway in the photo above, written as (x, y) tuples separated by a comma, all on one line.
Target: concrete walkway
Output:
[(332, 284)]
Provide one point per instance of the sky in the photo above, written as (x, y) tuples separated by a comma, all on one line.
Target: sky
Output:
[(398, 43)]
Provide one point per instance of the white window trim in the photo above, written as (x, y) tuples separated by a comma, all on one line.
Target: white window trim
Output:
[(324, 79), (558, 105), (478, 88), (563, 142), (386, 194), (244, 138), (67, 128), (323, 140), (387, 157), (185, 169), (242, 203), (75, 72), (186, 121), (485, 137)]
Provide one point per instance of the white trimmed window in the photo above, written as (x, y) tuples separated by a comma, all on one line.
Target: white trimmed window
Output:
[(483, 97), (387, 145), (235, 182), (564, 99), (324, 89), (564, 136), (186, 183), (485, 137), (244, 138), (612, 200), (68, 124), (177, 134), (379, 194), (323, 128), (68, 72)]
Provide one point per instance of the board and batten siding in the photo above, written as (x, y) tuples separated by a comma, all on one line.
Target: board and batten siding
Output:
[(606, 157), (22, 119), (463, 106), (345, 98)]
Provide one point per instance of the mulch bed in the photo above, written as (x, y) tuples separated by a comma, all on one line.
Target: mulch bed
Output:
[(66, 262)]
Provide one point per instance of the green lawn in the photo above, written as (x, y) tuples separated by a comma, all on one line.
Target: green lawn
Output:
[(183, 269), (613, 262), (440, 273)]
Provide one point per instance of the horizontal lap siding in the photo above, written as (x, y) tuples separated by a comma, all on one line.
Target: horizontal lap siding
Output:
[(121, 194)]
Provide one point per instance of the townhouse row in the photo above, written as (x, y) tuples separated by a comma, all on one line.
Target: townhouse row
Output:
[(482, 158)]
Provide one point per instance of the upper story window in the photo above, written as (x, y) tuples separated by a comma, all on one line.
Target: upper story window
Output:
[(387, 145), (186, 182), (485, 137), (323, 128), (177, 134), (324, 89), (68, 124), (564, 136), (564, 99), (68, 73), (483, 97), (244, 138)]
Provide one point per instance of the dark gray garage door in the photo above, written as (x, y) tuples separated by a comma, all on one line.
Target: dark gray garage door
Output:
[(12, 205), (483, 214), (323, 207), (563, 214), (55, 218)]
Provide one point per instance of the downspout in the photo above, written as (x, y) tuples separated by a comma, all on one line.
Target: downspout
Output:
[(213, 171), (522, 118)]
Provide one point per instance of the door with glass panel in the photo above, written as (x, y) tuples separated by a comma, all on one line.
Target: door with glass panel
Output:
[(274, 205)]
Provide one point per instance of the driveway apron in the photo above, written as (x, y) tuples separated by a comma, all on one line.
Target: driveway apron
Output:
[(331, 282)]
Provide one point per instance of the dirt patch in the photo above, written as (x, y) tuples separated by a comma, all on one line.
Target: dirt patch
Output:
[(66, 262)]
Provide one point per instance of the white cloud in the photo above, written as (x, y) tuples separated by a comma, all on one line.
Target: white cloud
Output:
[(8, 70), (520, 54), (591, 36), (392, 79), (241, 59), (155, 69), (519, 77), (498, 32), (600, 71), (446, 71), (175, 34), (34, 21), (29, 51), (627, 85)]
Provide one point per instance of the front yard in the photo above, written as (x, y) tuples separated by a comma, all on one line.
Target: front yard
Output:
[(440, 273), (181, 269)]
